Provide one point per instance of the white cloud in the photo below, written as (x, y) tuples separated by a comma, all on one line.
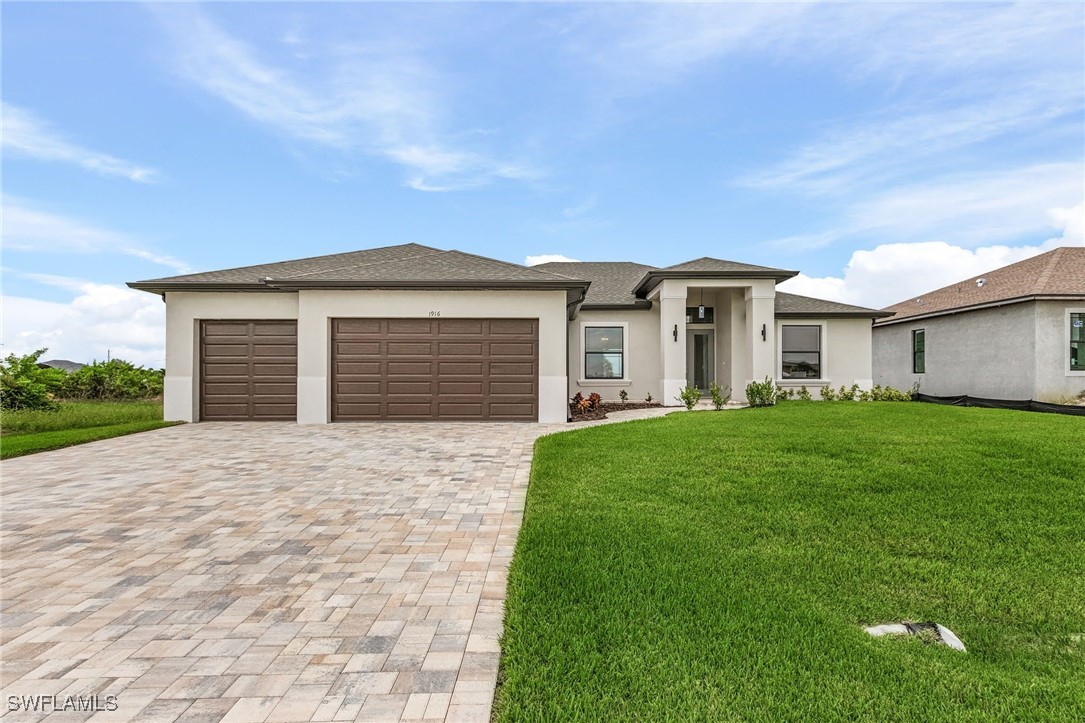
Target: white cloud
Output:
[(27, 135), (101, 319), (890, 273), (26, 228), (388, 104), (547, 259)]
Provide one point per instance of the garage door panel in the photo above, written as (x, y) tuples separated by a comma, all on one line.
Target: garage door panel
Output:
[(462, 369), (248, 370)]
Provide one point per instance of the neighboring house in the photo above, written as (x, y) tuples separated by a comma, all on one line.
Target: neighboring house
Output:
[(416, 333), (1014, 333), (62, 364)]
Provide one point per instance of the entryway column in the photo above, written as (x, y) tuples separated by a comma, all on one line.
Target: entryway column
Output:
[(672, 341), (761, 327)]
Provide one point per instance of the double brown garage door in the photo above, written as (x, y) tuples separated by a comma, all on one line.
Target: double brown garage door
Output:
[(426, 369), (393, 369)]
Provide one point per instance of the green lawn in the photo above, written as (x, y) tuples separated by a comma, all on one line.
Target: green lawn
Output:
[(75, 423), (719, 566)]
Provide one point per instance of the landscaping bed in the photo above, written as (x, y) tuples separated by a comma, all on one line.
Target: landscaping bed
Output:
[(601, 409), (710, 566)]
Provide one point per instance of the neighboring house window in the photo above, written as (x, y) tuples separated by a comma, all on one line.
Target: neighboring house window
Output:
[(1077, 342), (800, 350), (604, 352), (919, 351)]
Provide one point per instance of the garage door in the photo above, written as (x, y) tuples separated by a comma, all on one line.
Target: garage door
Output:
[(249, 370), (425, 369)]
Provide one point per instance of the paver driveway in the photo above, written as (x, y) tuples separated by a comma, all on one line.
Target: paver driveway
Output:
[(264, 571)]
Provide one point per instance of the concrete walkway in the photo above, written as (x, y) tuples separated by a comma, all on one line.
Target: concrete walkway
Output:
[(252, 572)]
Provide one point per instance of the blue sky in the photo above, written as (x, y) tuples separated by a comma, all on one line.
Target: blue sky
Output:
[(882, 149)]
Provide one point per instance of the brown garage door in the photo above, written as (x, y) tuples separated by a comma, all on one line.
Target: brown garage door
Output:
[(424, 369), (249, 370)]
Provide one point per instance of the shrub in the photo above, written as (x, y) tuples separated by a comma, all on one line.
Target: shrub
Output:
[(761, 394), (648, 397), (595, 400), (25, 385), (847, 394), (804, 394), (783, 393), (112, 380), (689, 396), (720, 395), (623, 395), (577, 399), (827, 393)]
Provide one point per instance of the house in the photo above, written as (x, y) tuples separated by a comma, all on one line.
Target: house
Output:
[(416, 333), (63, 365), (1014, 333)]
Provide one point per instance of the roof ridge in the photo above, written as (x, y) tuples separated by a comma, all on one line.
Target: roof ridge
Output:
[(1045, 275), (373, 263)]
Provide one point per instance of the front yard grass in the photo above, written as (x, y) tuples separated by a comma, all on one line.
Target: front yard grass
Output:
[(26, 432), (720, 566)]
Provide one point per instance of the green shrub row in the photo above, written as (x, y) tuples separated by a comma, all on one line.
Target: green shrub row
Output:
[(25, 385), (767, 393)]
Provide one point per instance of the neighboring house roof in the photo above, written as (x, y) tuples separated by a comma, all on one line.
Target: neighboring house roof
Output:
[(404, 266), (709, 268), (63, 364), (612, 282), (793, 305), (1057, 273)]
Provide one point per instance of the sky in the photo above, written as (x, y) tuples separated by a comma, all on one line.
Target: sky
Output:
[(883, 150)]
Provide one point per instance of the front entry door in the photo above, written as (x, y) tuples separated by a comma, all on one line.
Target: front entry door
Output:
[(700, 358)]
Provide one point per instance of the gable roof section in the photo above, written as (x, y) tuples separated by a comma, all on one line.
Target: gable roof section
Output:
[(612, 282), (1057, 273), (795, 306), (405, 266), (709, 268)]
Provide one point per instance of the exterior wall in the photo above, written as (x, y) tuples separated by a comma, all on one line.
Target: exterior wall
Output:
[(1054, 379), (313, 311), (642, 370), (846, 354), (184, 310), (987, 353)]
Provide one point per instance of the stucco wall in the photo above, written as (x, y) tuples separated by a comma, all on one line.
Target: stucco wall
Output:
[(642, 354), (314, 309), (846, 354), (985, 353), (1054, 379)]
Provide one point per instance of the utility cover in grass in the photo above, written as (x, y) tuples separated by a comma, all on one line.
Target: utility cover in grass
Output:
[(926, 631)]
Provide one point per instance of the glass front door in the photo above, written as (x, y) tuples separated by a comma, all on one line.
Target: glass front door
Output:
[(700, 359)]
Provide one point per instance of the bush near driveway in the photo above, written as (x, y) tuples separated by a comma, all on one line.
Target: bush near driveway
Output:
[(30, 431), (720, 567)]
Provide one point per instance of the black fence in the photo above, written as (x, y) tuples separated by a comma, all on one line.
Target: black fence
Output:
[(1026, 405)]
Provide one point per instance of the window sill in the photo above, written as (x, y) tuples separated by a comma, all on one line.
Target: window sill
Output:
[(604, 382), (1076, 373)]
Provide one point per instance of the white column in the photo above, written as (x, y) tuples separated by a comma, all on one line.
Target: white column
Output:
[(672, 340), (314, 364), (761, 330), (739, 345)]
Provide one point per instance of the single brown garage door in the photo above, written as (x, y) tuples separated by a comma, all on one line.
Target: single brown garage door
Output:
[(425, 369), (249, 370)]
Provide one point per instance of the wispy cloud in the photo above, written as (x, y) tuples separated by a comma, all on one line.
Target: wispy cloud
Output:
[(546, 259), (24, 133), (388, 104), (26, 228)]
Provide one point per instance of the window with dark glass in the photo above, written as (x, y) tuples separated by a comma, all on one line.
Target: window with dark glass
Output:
[(694, 315), (800, 348), (919, 351), (1077, 342), (604, 352)]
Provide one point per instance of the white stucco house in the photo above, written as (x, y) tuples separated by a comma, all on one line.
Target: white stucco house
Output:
[(1015, 333), (414, 333)]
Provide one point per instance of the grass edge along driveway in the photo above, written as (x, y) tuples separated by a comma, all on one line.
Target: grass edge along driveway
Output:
[(27, 432), (719, 566)]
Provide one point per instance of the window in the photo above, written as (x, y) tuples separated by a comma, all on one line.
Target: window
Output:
[(1077, 342), (604, 352), (693, 315), (800, 351), (919, 351)]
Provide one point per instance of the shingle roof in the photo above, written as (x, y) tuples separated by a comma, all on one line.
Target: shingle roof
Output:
[(612, 282), (392, 264), (795, 305), (1060, 272), (707, 263)]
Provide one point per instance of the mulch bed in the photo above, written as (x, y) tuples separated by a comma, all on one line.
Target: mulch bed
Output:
[(600, 412)]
